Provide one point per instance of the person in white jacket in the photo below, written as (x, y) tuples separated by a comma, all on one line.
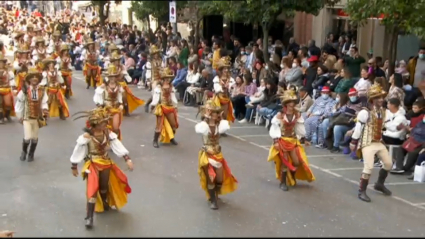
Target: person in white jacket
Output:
[(192, 78), (394, 133)]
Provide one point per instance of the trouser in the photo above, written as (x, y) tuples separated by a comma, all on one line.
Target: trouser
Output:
[(412, 158), (311, 125), (323, 130), (339, 132), (369, 152), (30, 129)]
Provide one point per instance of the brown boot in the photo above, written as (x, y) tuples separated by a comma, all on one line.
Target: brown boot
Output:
[(33, 146), (126, 112), (213, 199), (61, 114), (362, 190), (282, 184), (90, 212), (379, 185), (155, 140)]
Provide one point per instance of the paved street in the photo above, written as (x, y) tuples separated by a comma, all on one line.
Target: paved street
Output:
[(42, 198)]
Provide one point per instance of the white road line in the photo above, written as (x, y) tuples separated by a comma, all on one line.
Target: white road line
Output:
[(246, 127), (327, 171), (325, 156), (343, 169), (254, 135), (402, 183), (420, 204)]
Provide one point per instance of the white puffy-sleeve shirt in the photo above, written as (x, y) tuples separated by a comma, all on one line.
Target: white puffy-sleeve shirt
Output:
[(81, 148), (157, 97), (98, 95), (20, 103), (276, 124)]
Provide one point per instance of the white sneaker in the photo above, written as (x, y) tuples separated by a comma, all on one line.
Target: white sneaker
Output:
[(267, 123), (243, 121)]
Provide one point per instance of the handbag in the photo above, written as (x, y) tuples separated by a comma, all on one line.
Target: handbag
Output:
[(419, 174), (411, 144)]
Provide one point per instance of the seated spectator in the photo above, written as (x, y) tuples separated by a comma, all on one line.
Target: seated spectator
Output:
[(396, 89), (254, 100), (344, 122), (328, 59), (363, 85), (268, 105), (346, 83), (179, 81), (238, 97), (417, 138), (333, 110), (334, 78), (172, 64), (306, 101), (295, 75), (416, 114), (316, 111), (129, 64), (250, 90), (206, 85), (321, 78), (192, 79), (285, 66), (138, 72)]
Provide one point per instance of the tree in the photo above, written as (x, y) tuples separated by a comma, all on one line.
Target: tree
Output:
[(265, 12), (103, 7), (397, 16), (158, 9)]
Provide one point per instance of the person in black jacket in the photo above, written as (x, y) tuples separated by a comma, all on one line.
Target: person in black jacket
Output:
[(321, 79), (313, 50), (206, 85), (311, 73), (334, 78), (268, 104)]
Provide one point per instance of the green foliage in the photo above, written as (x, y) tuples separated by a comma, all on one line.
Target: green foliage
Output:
[(405, 15), (158, 9)]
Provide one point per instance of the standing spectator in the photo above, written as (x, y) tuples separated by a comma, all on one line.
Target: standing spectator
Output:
[(396, 89), (238, 97), (184, 53), (293, 46), (416, 68), (353, 62), (311, 73), (250, 90), (216, 54)]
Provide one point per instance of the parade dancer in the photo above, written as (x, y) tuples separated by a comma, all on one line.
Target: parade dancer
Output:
[(222, 83), (55, 83), (30, 34), (164, 104), (367, 140), (112, 49), (216, 176), (37, 35), (64, 63), (287, 129), (39, 53), (91, 69), (20, 65), (32, 110), (7, 84), (55, 45), (109, 95), (107, 186), (131, 102), (154, 68), (18, 41)]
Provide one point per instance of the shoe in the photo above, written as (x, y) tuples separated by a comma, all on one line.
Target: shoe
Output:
[(378, 165), (89, 218), (213, 199), (7, 116), (397, 171), (362, 190), (155, 140), (173, 142), (250, 106), (410, 177), (24, 153), (379, 185), (319, 146), (223, 135), (243, 121), (335, 150), (1, 118), (32, 150)]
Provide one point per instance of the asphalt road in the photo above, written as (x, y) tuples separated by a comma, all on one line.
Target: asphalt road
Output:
[(43, 199)]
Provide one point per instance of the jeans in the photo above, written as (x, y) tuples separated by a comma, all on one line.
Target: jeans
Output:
[(339, 132), (323, 130), (264, 111)]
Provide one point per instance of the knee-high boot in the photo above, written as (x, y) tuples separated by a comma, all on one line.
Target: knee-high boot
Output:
[(293, 176), (362, 190), (155, 140), (213, 198), (88, 81), (147, 105), (173, 141), (25, 144), (7, 114), (104, 197), (126, 112), (89, 217), (1, 118), (282, 184), (61, 114), (379, 185), (33, 146)]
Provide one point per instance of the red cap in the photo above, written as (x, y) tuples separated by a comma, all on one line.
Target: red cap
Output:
[(326, 89), (352, 92), (313, 58)]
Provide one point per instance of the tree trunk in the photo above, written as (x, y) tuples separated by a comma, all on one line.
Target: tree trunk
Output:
[(265, 42), (392, 56), (103, 14), (149, 22), (197, 32)]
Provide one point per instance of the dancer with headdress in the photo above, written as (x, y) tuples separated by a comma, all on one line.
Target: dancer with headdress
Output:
[(91, 69), (153, 68), (287, 129), (131, 102), (216, 176), (367, 141), (64, 63), (109, 95), (55, 83), (55, 45), (164, 104), (7, 89), (222, 83), (21, 64), (107, 185), (32, 110), (39, 53)]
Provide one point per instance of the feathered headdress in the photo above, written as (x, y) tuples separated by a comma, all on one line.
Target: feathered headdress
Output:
[(209, 105), (94, 116), (375, 91), (288, 95), (225, 61)]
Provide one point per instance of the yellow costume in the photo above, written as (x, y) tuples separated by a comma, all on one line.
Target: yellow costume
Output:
[(222, 84), (21, 64), (7, 83), (287, 152), (107, 185), (215, 175), (91, 69), (65, 69)]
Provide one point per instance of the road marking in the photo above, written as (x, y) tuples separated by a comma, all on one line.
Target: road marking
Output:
[(420, 204), (370, 187), (343, 169), (402, 183), (325, 156), (245, 127), (254, 135)]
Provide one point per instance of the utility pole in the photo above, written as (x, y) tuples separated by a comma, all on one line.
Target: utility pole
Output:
[(173, 16)]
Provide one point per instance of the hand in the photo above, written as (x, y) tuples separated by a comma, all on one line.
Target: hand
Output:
[(6, 233), (307, 143), (130, 165), (45, 113), (276, 146), (121, 107), (75, 172)]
